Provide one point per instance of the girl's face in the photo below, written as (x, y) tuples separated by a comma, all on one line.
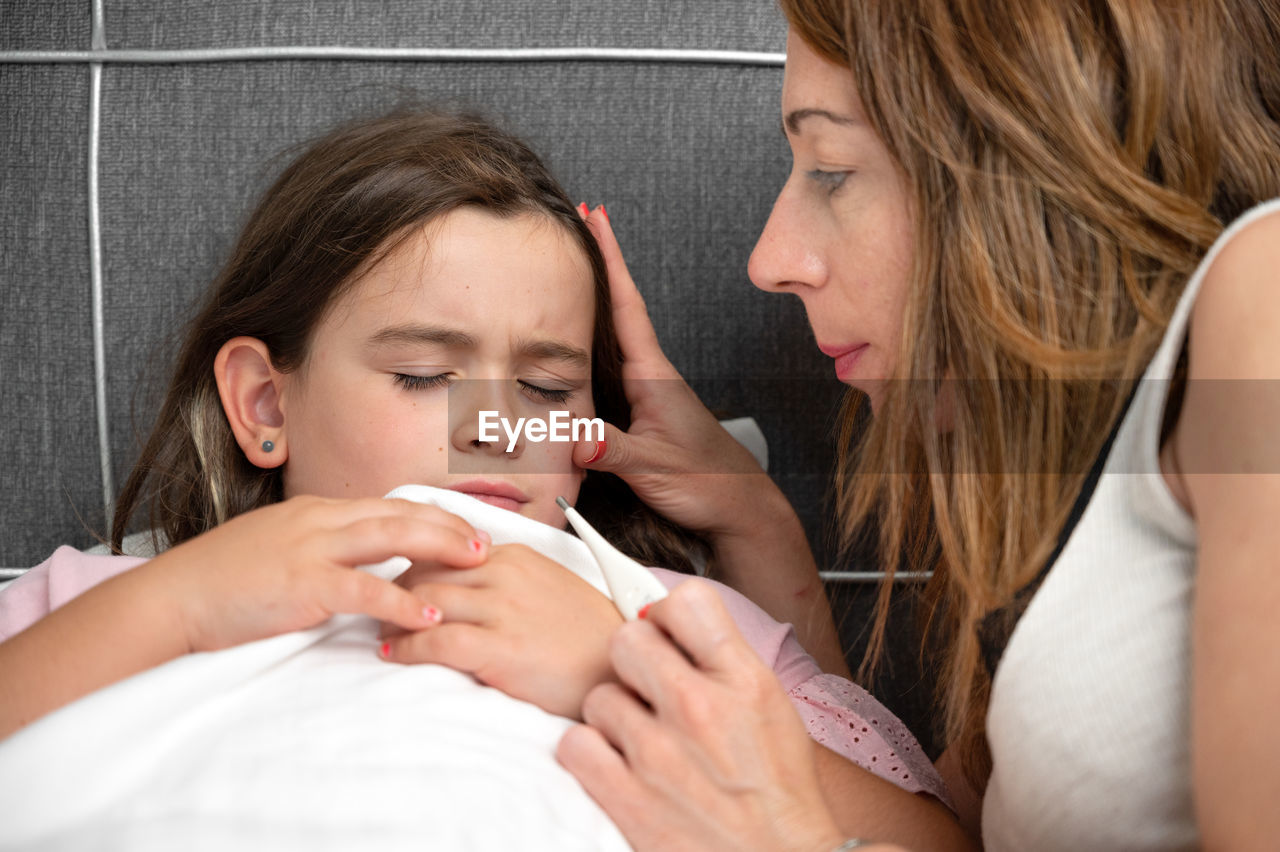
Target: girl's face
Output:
[(474, 312), (839, 236)]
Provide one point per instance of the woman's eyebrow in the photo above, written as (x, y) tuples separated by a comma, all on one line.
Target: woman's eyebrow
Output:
[(791, 123), (555, 350), (419, 334)]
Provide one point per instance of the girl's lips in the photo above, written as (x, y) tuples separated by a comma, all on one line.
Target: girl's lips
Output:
[(500, 494), (494, 500)]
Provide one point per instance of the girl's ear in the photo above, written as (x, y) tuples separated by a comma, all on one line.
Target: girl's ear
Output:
[(249, 386)]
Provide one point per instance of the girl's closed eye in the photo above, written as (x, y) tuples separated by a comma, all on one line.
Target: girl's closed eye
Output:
[(545, 394), (414, 383)]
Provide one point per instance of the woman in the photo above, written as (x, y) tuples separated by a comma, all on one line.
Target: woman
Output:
[(998, 221)]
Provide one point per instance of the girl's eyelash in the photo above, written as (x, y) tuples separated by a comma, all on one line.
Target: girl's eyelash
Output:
[(417, 383), (414, 383), (545, 394)]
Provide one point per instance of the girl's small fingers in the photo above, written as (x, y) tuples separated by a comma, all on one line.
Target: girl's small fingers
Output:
[(435, 515), (464, 604), (464, 647), (375, 539), (349, 591)]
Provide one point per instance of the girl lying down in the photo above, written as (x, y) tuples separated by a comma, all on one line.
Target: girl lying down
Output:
[(402, 276)]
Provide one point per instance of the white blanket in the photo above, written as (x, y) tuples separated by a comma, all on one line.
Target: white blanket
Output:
[(306, 741)]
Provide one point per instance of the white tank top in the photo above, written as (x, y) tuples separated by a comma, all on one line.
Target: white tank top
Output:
[(1089, 720)]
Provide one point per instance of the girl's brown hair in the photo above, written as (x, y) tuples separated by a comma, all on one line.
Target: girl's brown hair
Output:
[(1069, 165), (346, 202)]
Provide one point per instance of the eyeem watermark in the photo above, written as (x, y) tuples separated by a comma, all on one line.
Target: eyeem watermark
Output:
[(560, 427)]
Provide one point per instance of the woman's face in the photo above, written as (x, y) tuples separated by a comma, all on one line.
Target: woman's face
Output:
[(839, 236), (475, 312)]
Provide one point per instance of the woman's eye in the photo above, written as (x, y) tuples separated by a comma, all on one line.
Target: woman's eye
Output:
[(544, 394), (831, 181), (414, 383)]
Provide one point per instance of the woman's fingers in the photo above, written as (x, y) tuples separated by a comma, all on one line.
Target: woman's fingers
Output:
[(696, 619), (640, 347), (651, 666)]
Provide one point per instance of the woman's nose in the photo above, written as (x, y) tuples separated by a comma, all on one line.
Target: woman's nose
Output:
[(788, 253)]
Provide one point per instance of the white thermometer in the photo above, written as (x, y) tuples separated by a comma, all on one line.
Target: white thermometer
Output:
[(632, 585)]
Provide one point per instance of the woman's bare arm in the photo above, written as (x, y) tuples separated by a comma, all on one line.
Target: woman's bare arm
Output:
[(1227, 450)]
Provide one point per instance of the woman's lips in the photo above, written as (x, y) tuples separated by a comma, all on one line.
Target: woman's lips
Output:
[(500, 494), (846, 357)]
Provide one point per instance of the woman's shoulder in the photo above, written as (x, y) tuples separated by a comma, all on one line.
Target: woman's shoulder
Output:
[(1239, 292), (1232, 399)]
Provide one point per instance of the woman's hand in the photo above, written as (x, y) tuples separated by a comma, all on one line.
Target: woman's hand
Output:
[(520, 623), (759, 546), (672, 433), (289, 566), (703, 751)]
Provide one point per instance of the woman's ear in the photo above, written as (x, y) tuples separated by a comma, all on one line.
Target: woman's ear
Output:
[(249, 386)]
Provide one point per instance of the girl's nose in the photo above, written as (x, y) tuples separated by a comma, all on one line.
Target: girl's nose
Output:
[(788, 254), (476, 412)]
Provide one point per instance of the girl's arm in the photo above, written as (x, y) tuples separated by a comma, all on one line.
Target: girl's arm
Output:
[(680, 461), (1226, 448), (277, 569)]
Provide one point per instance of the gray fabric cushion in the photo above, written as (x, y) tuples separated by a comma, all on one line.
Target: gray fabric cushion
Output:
[(687, 157)]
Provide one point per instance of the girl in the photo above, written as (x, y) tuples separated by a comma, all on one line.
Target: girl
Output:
[(401, 276), (1039, 241)]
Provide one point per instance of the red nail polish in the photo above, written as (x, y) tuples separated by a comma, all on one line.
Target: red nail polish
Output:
[(644, 610), (431, 614), (476, 545), (599, 453), (605, 212), (385, 651), (582, 208)]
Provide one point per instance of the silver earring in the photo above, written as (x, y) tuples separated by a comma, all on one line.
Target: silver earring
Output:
[(268, 446)]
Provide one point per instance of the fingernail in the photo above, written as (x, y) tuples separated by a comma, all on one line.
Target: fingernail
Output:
[(599, 453), (477, 545), (582, 209), (385, 650), (605, 212), (484, 536), (431, 614), (644, 610)]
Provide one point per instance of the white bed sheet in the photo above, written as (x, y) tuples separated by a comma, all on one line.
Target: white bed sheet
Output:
[(305, 741)]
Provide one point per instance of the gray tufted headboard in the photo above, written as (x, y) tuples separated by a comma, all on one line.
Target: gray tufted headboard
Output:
[(136, 135)]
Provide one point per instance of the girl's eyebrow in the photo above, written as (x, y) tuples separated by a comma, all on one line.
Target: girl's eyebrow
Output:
[(411, 334), (557, 351)]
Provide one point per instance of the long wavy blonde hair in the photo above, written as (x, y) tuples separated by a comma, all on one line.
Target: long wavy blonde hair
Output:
[(1070, 163)]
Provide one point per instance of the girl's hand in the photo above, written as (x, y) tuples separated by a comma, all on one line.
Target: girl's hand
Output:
[(520, 623), (704, 751), (672, 433), (289, 566)]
